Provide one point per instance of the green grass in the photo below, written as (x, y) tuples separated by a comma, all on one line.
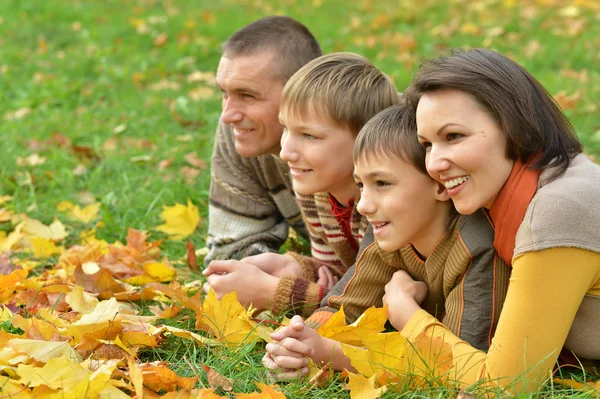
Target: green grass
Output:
[(92, 71)]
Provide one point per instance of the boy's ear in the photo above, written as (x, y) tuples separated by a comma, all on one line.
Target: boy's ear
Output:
[(441, 194)]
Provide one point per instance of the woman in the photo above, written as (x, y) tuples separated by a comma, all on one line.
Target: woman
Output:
[(496, 139)]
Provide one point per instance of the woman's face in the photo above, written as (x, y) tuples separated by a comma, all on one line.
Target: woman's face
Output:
[(466, 150)]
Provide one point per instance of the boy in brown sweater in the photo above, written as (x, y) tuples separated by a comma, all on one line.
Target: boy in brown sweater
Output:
[(453, 268)]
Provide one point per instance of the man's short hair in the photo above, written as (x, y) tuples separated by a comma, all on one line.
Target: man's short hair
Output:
[(290, 41), (343, 87)]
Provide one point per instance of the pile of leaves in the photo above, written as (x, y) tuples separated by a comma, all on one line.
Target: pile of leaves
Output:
[(74, 320)]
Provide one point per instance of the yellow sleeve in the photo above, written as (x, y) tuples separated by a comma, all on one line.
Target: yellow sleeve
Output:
[(545, 291)]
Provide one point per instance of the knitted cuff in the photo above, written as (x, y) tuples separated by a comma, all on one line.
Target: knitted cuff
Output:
[(297, 295), (309, 271), (319, 318)]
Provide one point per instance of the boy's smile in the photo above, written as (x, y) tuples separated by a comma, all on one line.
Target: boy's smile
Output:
[(319, 154), (402, 204)]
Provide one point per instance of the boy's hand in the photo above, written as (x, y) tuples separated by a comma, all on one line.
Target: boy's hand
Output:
[(253, 285), (276, 265), (326, 279), (286, 356), (403, 295)]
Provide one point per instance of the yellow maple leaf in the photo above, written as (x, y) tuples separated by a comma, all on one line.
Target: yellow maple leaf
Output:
[(64, 206), (383, 354), (8, 242), (13, 389), (266, 392), (81, 301), (5, 314), (370, 322), (90, 386), (57, 373), (363, 388), (86, 214), (5, 198), (227, 319), (43, 351), (5, 215), (153, 272), (180, 220), (34, 228), (104, 319), (44, 248), (8, 283)]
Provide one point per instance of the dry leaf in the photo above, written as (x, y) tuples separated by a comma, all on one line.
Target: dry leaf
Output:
[(217, 380), (567, 102), (160, 40), (266, 392), (157, 376), (193, 159)]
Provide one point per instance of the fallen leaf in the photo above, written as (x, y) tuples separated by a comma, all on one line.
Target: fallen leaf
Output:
[(227, 319), (266, 392), (371, 321), (160, 40), (18, 114), (180, 220), (5, 314), (192, 260), (193, 159), (567, 102), (81, 301), (157, 376), (44, 248), (57, 373), (363, 388), (31, 160), (217, 380), (43, 351)]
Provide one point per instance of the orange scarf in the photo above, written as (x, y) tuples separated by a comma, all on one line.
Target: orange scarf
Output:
[(509, 208)]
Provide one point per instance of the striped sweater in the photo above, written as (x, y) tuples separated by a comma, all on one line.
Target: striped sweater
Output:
[(467, 281), (251, 202), (331, 246)]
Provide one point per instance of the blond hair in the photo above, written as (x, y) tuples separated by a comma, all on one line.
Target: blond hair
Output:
[(344, 87)]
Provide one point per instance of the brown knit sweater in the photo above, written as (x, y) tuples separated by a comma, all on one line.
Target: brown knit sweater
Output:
[(467, 281), (251, 202), (330, 246)]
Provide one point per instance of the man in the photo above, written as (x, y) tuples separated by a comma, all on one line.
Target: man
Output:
[(251, 201)]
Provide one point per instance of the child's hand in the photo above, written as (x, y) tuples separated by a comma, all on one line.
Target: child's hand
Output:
[(276, 265), (253, 285), (286, 356), (326, 279), (403, 295)]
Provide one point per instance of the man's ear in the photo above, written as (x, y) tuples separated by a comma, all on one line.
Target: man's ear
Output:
[(441, 194)]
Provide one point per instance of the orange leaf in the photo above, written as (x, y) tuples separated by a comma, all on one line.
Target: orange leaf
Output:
[(266, 392), (192, 260), (157, 376), (102, 282)]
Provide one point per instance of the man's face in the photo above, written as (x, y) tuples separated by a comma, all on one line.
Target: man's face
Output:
[(251, 97)]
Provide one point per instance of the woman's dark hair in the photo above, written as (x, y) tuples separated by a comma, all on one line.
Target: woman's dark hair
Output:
[(533, 123)]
